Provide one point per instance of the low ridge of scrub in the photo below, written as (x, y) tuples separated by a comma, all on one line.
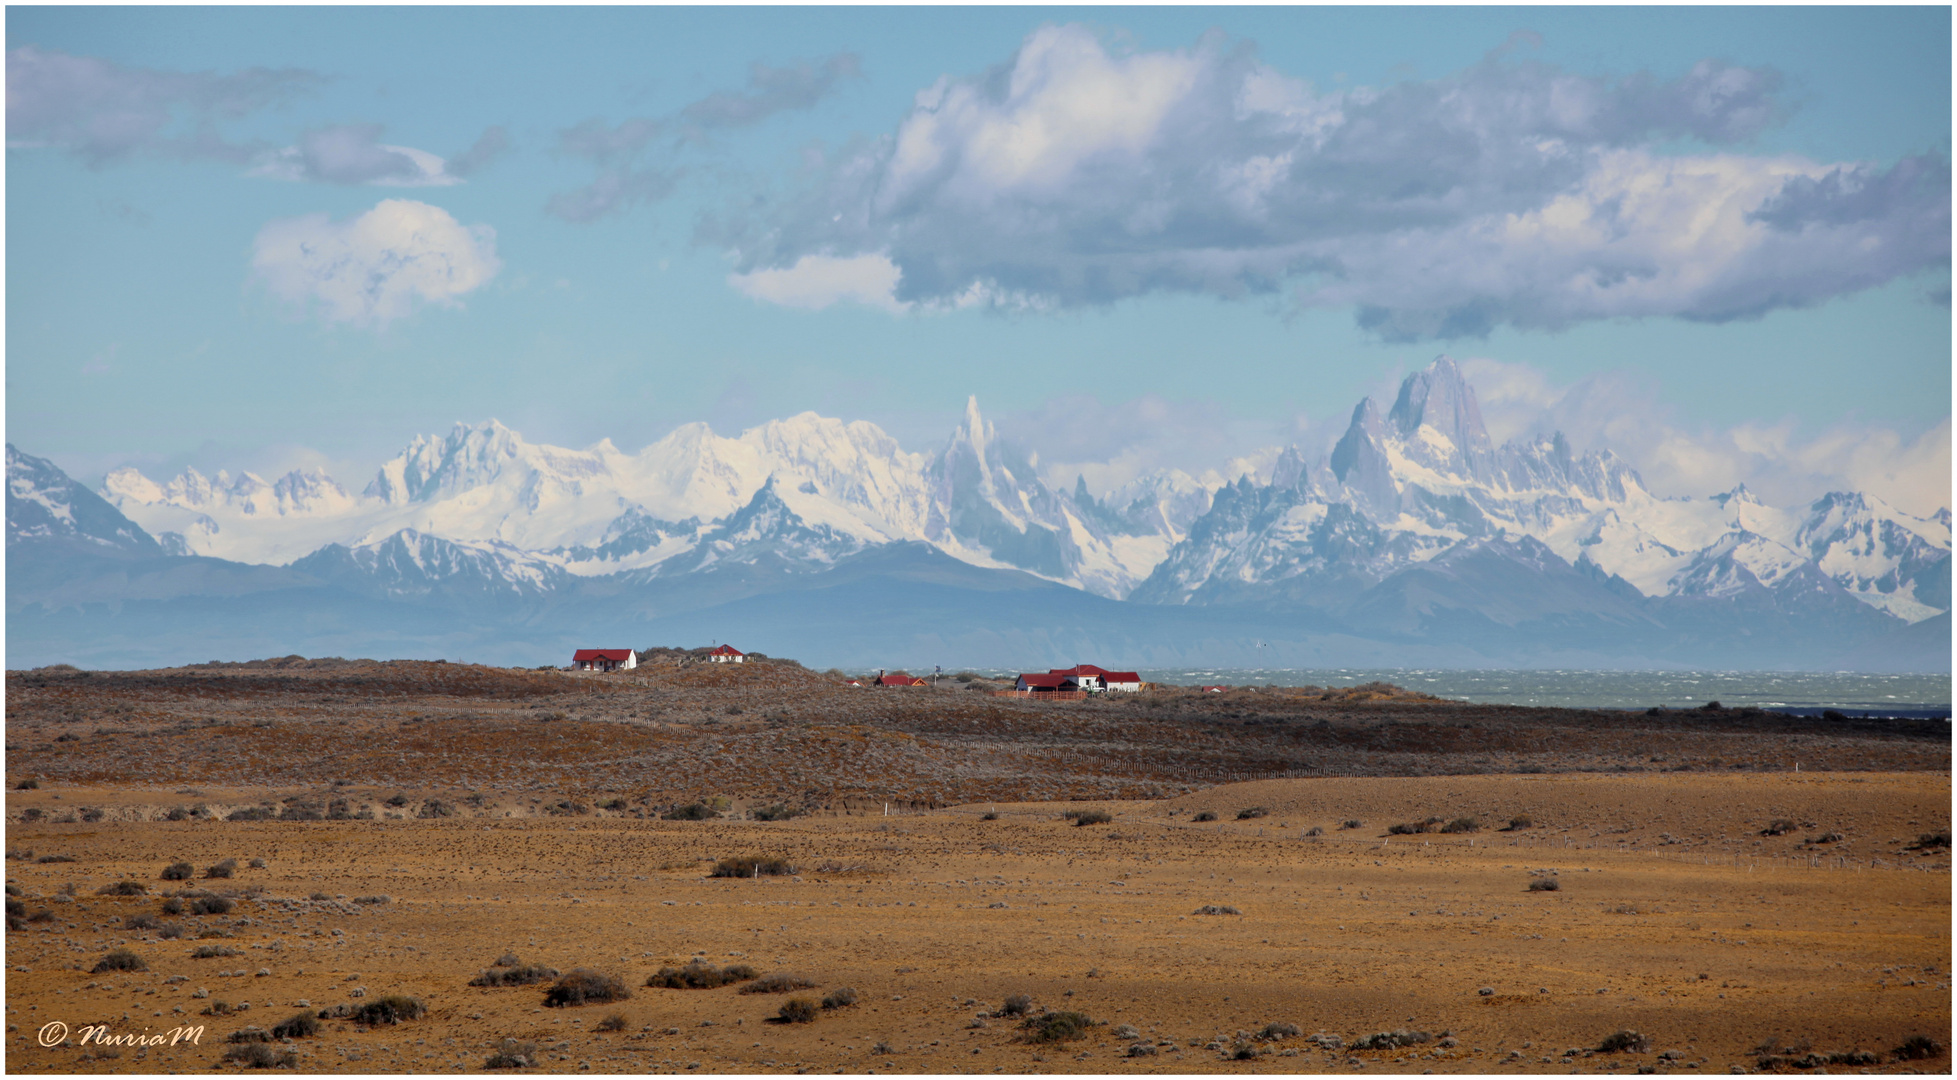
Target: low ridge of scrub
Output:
[(699, 975)]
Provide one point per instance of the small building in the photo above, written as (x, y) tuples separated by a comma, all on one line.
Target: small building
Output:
[(727, 654), (1045, 684), (1121, 680), (1084, 676), (604, 660), (1214, 689), (898, 678)]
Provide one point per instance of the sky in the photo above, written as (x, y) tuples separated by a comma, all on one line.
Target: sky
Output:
[(1716, 240)]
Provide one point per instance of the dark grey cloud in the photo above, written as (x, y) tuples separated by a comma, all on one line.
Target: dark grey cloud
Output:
[(1510, 193), (772, 90), (493, 143), (102, 111)]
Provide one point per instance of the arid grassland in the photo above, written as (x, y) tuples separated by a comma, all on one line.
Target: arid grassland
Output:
[(356, 867)]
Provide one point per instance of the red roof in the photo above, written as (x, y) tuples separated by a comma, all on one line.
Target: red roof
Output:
[(726, 650), (1120, 676), (1079, 669), (898, 678), (1044, 682), (620, 655)]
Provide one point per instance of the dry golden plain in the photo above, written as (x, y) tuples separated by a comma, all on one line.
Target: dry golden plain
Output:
[(1675, 918)]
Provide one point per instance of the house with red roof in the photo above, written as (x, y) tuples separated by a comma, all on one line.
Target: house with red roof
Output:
[(1050, 683), (727, 654), (1121, 680), (604, 660), (1090, 677), (898, 678)]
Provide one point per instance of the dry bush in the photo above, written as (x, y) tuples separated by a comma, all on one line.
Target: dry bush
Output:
[(1352, 823), (1049, 1027), (1779, 827), (512, 1054), (1462, 825), (27, 785), (1391, 1040), (1928, 840), (1205, 815), (1407, 828), (209, 952), (1314, 831), (129, 922), (780, 982), (56, 859), (123, 888), (258, 1055), (752, 866), (1279, 1030), (614, 1022), (839, 998), (381, 899), (1216, 909), (1623, 1042), (699, 975), (777, 812), (514, 973), (221, 870), (1520, 822), (799, 1010), (1252, 812), (119, 960), (296, 1026), (207, 905), (1092, 817), (584, 986), (391, 1009), (1016, 1005), (1545, 884), (989, 815), (1918, 1048), (249, 1035)]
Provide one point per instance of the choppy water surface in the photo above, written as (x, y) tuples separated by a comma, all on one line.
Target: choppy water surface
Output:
[(1848, 691)]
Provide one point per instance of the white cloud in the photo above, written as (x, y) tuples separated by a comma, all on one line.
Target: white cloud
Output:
[(352, 154), (374, 268), (817, 281), (1510, 193)]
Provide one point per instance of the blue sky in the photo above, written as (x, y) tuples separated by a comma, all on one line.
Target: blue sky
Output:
[(1715, 238)]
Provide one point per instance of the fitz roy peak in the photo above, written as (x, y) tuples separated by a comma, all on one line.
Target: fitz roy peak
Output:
[(1415, 541)]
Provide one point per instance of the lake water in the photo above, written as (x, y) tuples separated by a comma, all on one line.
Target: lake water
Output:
[(1806, 691)]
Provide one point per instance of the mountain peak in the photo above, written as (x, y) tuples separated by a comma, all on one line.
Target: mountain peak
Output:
[(1439, 397)]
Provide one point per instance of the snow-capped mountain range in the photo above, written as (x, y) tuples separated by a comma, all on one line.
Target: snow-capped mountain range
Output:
[(1399, 490)]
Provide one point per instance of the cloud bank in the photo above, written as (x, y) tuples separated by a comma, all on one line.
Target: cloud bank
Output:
[(354, 154), (377, 267), (103, 112), (1511, 193)]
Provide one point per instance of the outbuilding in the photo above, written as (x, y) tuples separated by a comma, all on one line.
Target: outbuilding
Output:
[(727, 654)]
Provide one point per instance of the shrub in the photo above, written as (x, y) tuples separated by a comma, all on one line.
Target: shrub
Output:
[(1828, 838), (221, 870), (696, 811), (207, 905), (1917, 1048), (1545, 884), (253, 813), (1779, 827), (320, 896), (614, 1022), (1314, 831), (799, 1010), (119, 960), (296, 1026), (249, 1035), (1624, 1041), (1280, 1030), (777, 812), (381, 899), (1016, 1005), (839, 998), (391, 1009), (1092, 817), (1252, 812), (585, 987), (27, 785), (1520, 821), (512, 1055), (1216, 909), (173, 906), (1391, 1040), (1206, 815), (699, 975), (1407, 828), (123, 888), (257, 864), (1352, 823), (169, 931), (752, 866), (1056, 1026), (780, 982), (208, 952), (435, 808), (55, 859), (1926, 840), (258, 1055), (514, 973), (129, 922), (989, 815), (1461, 825), (399, 800)]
